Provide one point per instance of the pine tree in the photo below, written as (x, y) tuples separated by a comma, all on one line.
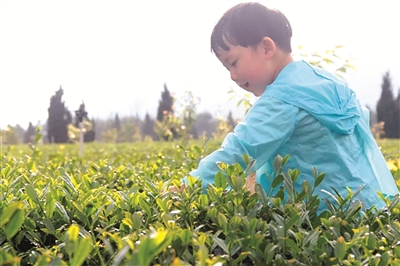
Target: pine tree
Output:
[(230, 121), (386, 107), (81, 113), (20, 131), (117, 123), (148, 127), (205, 124), (397, 116), (165, 104), (58, 120), (29, 134)]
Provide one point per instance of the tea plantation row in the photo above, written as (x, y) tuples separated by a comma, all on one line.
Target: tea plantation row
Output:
[(114, 207)]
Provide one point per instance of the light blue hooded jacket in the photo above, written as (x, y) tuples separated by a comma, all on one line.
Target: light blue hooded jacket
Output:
[(312, 115)]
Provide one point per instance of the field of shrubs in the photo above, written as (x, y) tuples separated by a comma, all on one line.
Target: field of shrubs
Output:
[(114, 207)]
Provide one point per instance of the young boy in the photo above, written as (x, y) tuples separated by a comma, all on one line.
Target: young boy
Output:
[(302, 111)]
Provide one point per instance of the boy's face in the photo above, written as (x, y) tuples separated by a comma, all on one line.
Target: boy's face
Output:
[(248, 67)]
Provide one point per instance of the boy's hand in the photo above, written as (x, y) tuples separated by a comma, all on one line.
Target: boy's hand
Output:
[(251, 183), (175, 189)]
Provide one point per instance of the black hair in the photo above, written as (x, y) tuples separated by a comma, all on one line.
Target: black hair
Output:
[(246, 24)]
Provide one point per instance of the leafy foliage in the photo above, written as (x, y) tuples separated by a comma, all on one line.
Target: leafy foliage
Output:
[(114, 207)]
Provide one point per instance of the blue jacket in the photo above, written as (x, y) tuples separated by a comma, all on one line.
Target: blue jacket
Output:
[(312, 115)]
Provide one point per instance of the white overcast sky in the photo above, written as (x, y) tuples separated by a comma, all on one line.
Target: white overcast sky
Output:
[(116, 55)]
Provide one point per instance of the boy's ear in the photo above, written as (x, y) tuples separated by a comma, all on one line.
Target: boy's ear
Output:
[(268, 47)]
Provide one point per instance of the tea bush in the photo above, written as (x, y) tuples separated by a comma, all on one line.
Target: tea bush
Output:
[(114, 207)]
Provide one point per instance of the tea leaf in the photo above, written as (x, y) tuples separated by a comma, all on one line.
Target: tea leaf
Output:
[(186, 236), (340, 248), (32, 193), (278, 164), (221, 244), (261, 193), (220, 180), (277, 180), (9, 211), (319, 179), (15, 223), (81, 251), (50, 205)]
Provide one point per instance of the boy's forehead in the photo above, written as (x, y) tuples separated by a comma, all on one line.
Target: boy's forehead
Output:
[(223, 55)]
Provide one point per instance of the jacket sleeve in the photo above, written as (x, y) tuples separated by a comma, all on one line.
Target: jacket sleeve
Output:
[(267, 125)]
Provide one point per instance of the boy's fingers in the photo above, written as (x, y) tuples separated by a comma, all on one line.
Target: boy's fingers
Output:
[(175, 189)]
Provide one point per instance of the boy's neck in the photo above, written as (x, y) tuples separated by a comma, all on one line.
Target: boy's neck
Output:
[(281, 60)]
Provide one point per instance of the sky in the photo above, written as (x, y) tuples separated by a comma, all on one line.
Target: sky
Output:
[(115, 56)]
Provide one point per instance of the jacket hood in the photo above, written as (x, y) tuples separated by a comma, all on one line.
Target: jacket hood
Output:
[(322, 94)]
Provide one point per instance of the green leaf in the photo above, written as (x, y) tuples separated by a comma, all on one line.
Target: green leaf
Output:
[(137, 221), (161, 203), (50, 205), (49, 225), (38, 135), (319, 179), (221, 244), (120, 255), (278, 164), (220, 180), (293, 219), (223, 222), (285, 159), (15, 223), (261, 193), (73, 232), (288, 183), (81, 251), (29, 224), (250, 165), (186, 236), (198, 150), (144, 205), (340, 248), (277, 180), (9, 211), (152, 245), (314, 172), (203, 200), (62, 210), (31, 193), (292, 245)]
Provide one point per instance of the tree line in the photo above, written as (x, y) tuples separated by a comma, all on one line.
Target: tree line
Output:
[(64, 127), (175, 119)]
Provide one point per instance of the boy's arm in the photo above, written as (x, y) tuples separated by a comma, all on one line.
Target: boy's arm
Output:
[(267, 125)]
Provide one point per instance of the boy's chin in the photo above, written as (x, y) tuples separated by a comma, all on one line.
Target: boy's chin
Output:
[(258, 93)]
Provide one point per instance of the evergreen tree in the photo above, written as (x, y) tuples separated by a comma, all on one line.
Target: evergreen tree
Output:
[(230, 121), (58, 120), (20, 131), (386, 107), (205, 124), (29, 134), (165, 104), (397, 116), (148, 127), (81, 113), (117, 123)]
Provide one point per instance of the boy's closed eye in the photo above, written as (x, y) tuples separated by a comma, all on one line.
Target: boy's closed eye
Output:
[(234, 63)]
